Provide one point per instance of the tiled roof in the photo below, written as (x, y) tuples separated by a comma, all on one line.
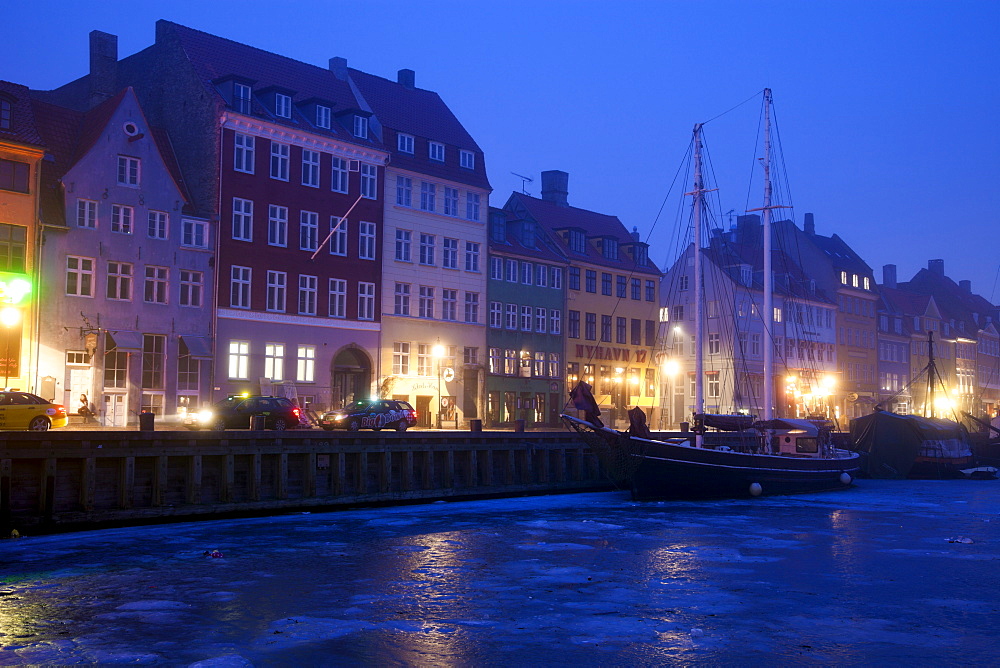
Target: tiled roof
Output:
[(790, 279), (554, 217), (906, 302), (544, 250), (841, 255), (22, 129)]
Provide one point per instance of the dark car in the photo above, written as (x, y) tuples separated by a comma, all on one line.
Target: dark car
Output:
[(375, 414), (235, 412)]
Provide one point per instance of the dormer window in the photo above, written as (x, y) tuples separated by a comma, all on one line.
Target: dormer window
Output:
[(322, 116), (498, 228), (282, 105), (435, 151), (404, 143), (528, 233), (361, 127), (241, 98), (640, 253), (854, 280), (867, 283), (467, 159), (746, 275), (610, 248), (843, 278), (577, 242), (5, 114)]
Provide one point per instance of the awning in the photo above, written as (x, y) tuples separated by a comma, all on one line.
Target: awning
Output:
[(199, 347), (127, 341)]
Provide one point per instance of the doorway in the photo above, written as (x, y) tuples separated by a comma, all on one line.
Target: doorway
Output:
[(350, 377), (115, 410), (424, 410)]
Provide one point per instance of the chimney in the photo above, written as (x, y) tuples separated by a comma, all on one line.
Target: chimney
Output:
[(809, 225), (936, 266), (338, 66), (103, 67), (555, 187), (406, 78), (965, 286), (889, 276)]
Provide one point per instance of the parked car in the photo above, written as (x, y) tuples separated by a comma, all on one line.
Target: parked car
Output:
[(374, 414), (235, 412), (23, 410)]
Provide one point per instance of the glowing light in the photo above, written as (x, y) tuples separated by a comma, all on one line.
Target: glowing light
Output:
[(671, 367), (13, 288), (437, 351), (10, 316)]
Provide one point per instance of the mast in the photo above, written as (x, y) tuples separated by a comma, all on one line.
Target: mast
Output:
[(699, 321), (768, 315)]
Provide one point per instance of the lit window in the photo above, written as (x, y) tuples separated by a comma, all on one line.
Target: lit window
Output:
[(239, 359), (305, 370), (274, 361)]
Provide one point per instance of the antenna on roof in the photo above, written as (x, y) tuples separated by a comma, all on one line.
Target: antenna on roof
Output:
[(524, 180)]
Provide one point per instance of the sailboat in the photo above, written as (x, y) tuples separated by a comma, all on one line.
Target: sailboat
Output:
[(786, 456)]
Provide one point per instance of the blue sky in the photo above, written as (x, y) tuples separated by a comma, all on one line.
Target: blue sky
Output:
[(887, 110)]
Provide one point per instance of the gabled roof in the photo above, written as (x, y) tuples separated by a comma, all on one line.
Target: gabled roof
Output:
[(909, 303), (555, 218), (544, 250), (841, 255), (22, 128), (790, 280)]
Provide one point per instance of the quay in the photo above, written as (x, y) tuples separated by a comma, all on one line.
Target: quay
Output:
[(58, 481)]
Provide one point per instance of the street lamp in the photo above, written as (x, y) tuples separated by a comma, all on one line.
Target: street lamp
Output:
[(438, 352), (9, 317)]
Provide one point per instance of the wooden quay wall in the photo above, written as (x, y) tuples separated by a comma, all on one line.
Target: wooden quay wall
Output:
[(54, 481)]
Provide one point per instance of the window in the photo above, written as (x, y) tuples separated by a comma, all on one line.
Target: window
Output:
[(650, 332), (338, 178), (274, 361), (243, 153), (194, 233), (867, 283), (305, 369), (115, 365), (400, 358), (554, 365), (86, 213), (606, 284), (650, 291), (496, 315), (450, 201), (494, 356), (242, 219), (636, 289), (279, 161), (472, 307), (467, 159), (510, 362), (128, 171), (322, 116), (121, 219), (449, 253), (156, 227), (188, 369), (510, 321), (574, 325), (472, 206), (713, 385), (119, 281), (606, 328), (308, 289), (556, 277), (527, 273), (403, 245), (14, 176), (361, 127), (282, 105), (277, 225), (239, 359), (577, 242), (427, 192), (449, 304), (5, 114), (192, 287), (470, 355), (338, 236), (843, 278), (539, 367), (621, 330), (401, 299), (404, 191), (574, 278), (338, 298), (308, 230), (609, 247), (80, 276), (239, 287), (435, 151), (155, 291), (241, 98), (277, 283), (541, 320), (404, 143), (591, 280), (427, 249), (555, 321), (369, 181), (636, 332), (471, 256), (590, 332), (425, 366), (714, 344), (366, 301), (512, 271), (366, 240), (621, 287), (426, 303), (310, 168), (541, 275), (153, 359)]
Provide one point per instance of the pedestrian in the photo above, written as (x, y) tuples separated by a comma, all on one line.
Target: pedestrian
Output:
[(85, 411)]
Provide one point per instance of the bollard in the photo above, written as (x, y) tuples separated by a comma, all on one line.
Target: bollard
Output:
[(475, 426), (257, 422), (518, 425), (685, 426), (146, 421)]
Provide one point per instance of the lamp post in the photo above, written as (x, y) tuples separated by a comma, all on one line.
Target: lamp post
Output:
[(670, 369), (438, 352), (9, 317)]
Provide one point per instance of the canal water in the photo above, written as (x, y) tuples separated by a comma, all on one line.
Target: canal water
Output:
[(887, 572)]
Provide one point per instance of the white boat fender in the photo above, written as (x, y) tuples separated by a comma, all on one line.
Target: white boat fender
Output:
[(845, 478), (756, 489)]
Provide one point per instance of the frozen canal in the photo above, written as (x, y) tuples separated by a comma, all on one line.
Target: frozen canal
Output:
[(861, 577)]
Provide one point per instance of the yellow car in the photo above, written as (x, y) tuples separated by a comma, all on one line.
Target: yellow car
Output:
[(23, 410)]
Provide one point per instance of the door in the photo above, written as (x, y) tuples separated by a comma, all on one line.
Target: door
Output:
[(115, 412), (79, 383), (424, 410)]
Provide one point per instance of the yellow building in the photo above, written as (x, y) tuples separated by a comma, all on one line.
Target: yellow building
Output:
[(21, 155)]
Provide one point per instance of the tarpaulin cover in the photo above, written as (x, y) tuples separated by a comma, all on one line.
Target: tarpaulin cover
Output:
[(893, 442)]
